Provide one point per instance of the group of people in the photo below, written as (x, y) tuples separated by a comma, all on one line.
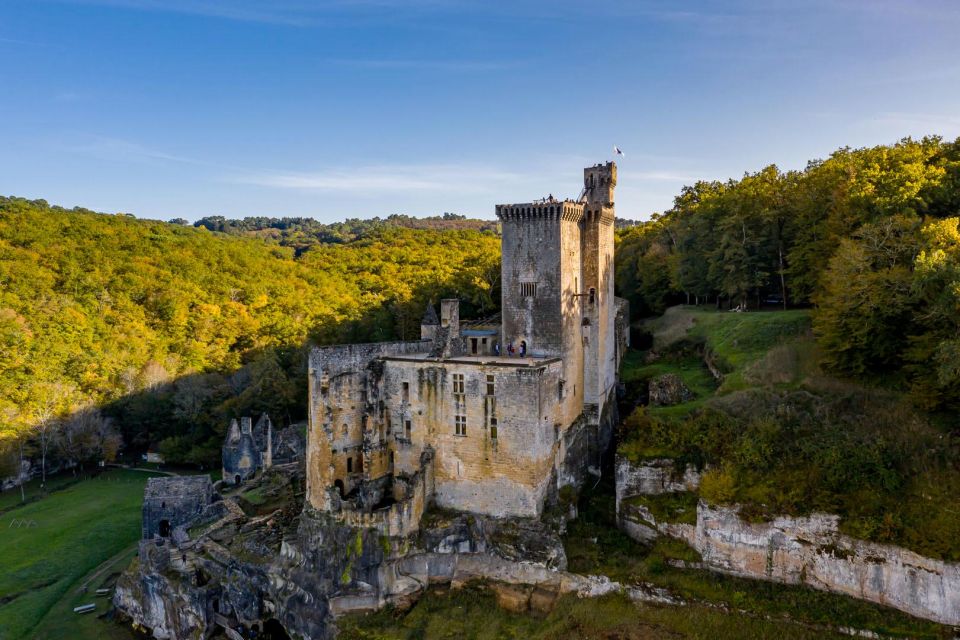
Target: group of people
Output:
[(511, 350)]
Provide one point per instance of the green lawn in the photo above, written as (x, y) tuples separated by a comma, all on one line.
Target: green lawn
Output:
[(72, 532), (12, 499), (762, 347)]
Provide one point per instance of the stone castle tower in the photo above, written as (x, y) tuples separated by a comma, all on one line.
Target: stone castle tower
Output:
[(599, 310), (557, 280), (451, 419)]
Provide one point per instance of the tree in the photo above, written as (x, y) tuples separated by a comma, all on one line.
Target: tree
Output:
[(13, 432), (48, 402), (87, 435)]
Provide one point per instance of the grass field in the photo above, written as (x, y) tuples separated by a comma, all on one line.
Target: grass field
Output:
[(69, 535), (472, 612), (756, 348)]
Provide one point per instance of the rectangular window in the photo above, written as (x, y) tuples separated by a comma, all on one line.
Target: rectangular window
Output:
[(408, 428), (528, 289), (490, 386), (406, 392), (458, 383), (461, 425), (493, 428)]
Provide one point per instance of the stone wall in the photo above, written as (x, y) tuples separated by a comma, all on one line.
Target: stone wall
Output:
[(172, 502), (338, 408), (403, 517), (506, 475)]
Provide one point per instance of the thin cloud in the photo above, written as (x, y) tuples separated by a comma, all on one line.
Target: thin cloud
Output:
[(116, 149), (390, 179)]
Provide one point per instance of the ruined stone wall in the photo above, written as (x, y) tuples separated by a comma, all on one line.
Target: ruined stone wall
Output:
[(508, 475), (174, 501), (338, 412), (403, 517)]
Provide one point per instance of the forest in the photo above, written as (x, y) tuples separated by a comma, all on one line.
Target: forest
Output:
[(153, 334), (867, 237), (116, 331)]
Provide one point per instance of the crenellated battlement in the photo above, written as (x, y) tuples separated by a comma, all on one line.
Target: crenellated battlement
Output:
[(544, 210), (598, 214)]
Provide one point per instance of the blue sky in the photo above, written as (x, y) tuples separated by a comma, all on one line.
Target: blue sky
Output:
[(357, 108)]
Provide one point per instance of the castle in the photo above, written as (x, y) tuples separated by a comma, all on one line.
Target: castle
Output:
[(482, 418)]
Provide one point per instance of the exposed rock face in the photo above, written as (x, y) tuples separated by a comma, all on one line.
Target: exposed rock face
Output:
[(303, 568), (653, 477), (808, 550), (668, 389)]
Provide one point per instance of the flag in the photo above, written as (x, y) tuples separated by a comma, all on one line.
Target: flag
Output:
[(617, 151)]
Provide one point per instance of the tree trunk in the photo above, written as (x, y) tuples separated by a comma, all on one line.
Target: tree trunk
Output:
[(23, 493), (783, 281)]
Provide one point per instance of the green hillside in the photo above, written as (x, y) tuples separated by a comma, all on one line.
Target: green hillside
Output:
[(780, 435), (172, 329)]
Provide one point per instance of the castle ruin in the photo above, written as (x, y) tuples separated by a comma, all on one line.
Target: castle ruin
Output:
[(491, 420)]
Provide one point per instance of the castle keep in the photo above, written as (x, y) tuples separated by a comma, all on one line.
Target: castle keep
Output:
[(455, 418)]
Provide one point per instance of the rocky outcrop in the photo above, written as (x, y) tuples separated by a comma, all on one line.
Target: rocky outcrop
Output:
[(653, 477), (667, 390), (303, 568), (812, 551), (809, 550)]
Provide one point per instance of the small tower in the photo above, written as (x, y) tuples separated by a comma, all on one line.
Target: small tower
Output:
[(429, 324), (450, 315), (599, 182), (447, 341), (596, 296)]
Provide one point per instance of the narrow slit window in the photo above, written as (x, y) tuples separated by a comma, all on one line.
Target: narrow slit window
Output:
[(349, 465), (406, 392), (408, 428), (491, 386), (493, 428)]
